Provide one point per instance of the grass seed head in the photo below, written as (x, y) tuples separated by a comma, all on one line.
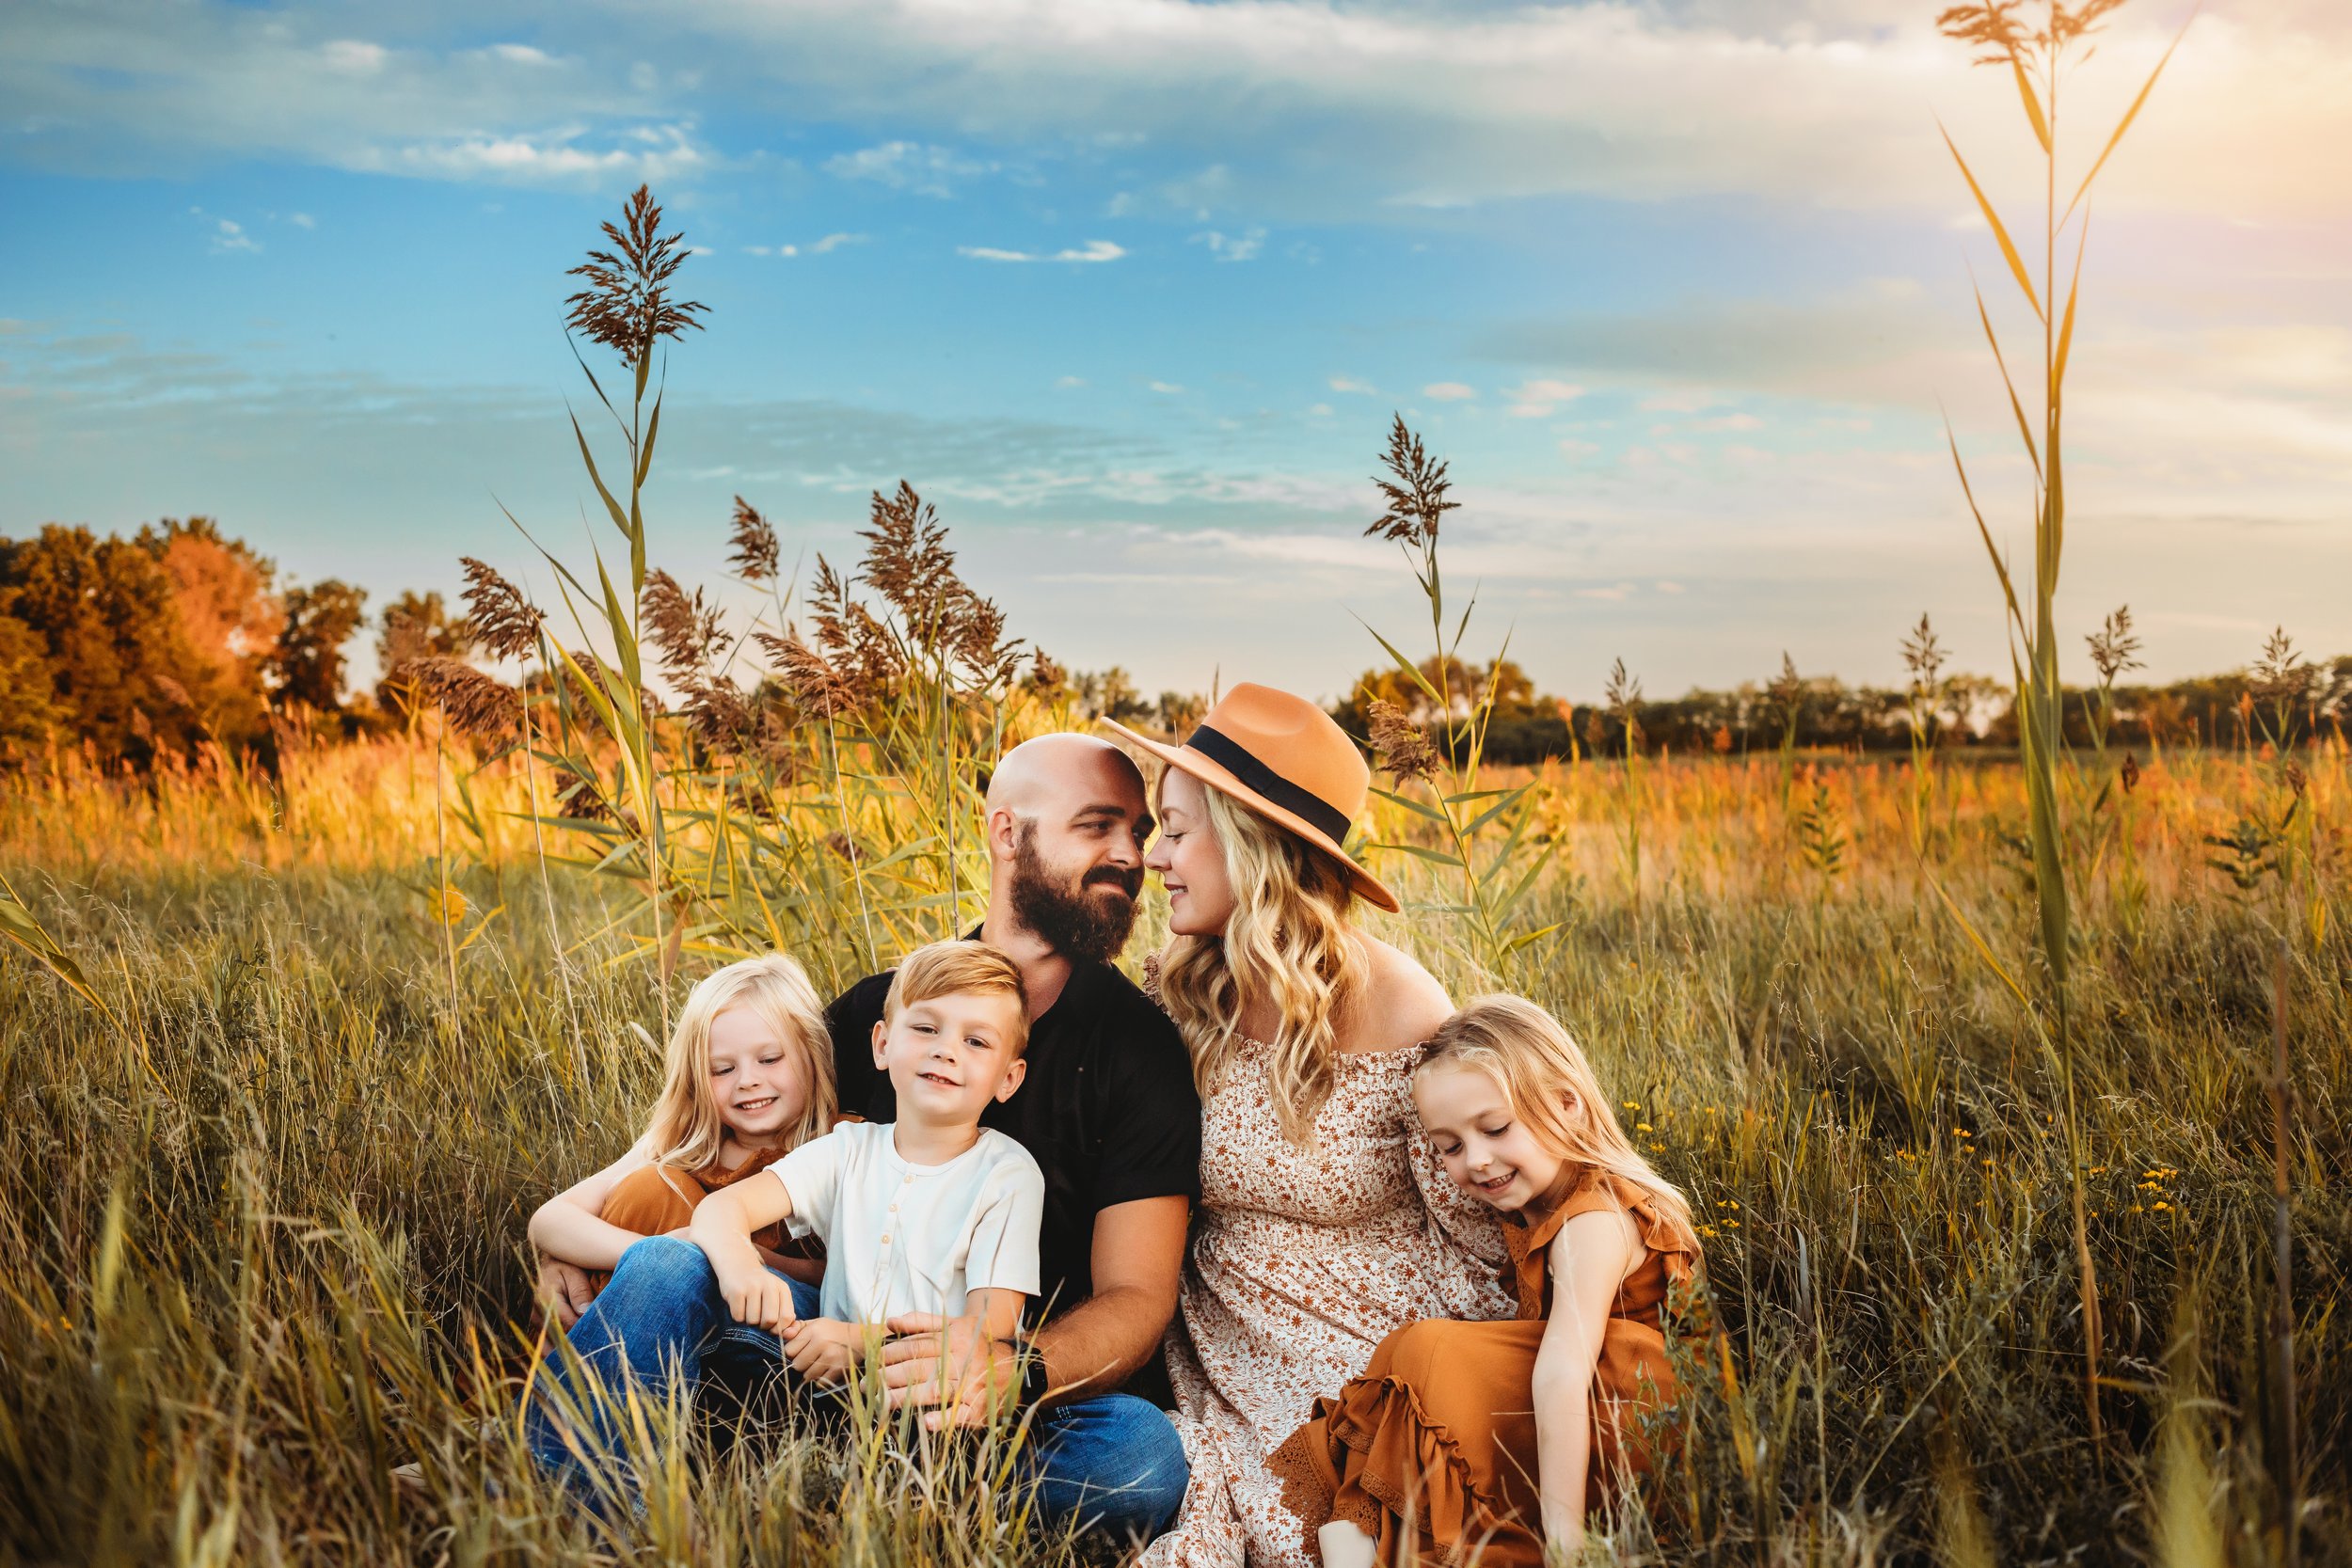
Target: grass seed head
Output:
[(755, 541), (627, 305), (501, 621)]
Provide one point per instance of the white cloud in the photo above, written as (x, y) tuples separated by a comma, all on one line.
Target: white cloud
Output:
[(228, 237), (1094, 251), (1680, 400), (1729, 422), (1067, 381), (1577, 452), (302, 220), (834, 242), (1349, 384), (1449, 391), (1616, 593), (1168, 388), (1279, 105), (1319, 410), (1666, 586), (1534, 400), (1226, 247), (905, 165), (353, 56)]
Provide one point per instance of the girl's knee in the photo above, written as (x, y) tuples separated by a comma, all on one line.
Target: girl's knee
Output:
[(665, 1257)]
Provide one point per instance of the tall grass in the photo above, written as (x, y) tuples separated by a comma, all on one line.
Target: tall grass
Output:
[(268, 1232)]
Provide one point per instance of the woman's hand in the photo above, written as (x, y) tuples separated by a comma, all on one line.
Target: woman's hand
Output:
[(824, 1350)]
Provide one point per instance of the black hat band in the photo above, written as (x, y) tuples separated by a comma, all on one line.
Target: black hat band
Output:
[(1307, 806)]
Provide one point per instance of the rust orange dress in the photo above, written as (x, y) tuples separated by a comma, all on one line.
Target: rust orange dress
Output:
[(1440, 1428), (655, 1200)]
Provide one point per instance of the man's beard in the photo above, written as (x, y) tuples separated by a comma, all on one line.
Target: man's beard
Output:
[(1077, 923)]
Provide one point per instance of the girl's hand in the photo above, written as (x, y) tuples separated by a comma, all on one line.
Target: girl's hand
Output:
[(824, 1350), (757, 1297)]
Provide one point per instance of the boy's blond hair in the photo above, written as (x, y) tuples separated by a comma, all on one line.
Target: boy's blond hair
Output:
[(685, 1129), (959, 969)]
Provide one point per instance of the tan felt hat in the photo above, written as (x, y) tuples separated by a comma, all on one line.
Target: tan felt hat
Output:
[(1283, 758)]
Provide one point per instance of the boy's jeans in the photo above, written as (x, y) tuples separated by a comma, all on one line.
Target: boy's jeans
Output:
[(1112, 1461)]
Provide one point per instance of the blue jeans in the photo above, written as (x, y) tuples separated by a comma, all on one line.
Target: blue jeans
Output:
[(1113, 1462)]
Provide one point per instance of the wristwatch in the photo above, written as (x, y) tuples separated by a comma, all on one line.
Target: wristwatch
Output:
[(1033, 1381)]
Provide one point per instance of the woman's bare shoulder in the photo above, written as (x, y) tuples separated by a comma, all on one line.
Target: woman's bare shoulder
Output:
[(1404, 1003)]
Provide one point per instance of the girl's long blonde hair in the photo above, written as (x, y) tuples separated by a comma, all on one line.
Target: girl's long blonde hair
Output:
[(1290, 939), (685, 1127), (1552, 1089)]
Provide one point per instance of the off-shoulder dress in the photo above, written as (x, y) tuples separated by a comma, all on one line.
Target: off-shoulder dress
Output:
[(1303, 1258)]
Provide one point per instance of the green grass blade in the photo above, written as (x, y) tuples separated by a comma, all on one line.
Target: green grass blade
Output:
[(2000, 230)]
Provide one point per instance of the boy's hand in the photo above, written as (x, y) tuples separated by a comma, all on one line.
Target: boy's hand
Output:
[(759, 1298), (824, 1350)]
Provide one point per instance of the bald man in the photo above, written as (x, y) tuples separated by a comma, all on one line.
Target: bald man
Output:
[(1108, 1111)]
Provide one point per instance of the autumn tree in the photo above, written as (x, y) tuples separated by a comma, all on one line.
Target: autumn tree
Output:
[(308, 666), (110, 636), (220, 589)]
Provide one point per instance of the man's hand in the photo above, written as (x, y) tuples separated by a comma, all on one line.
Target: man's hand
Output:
[(564, 1291), (950, 1363), (757, 1297), (824, 1350)]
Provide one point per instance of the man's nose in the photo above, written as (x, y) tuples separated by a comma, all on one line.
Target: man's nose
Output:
[(1125, 852)]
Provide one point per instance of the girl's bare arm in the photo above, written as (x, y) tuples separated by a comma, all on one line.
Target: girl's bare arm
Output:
[(1589, 1259), (571, 1225)]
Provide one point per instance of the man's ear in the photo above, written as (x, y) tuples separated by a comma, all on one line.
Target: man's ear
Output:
[(881, 1036), (1014, 1075), (1003, 833)]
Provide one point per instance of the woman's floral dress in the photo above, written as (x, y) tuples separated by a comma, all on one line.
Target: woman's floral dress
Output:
[(1302, 1260)]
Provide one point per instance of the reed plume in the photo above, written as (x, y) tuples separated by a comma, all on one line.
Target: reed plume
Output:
[(475, 702), (501, 621), (755, 554), (627, 304)]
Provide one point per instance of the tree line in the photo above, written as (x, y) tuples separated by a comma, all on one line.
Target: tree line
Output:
[(181, 636)]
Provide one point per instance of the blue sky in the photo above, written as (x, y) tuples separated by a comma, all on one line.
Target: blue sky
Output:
[(1131, 288)]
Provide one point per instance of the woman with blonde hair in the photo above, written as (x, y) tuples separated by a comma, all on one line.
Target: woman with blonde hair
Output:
[(1324, 1224)]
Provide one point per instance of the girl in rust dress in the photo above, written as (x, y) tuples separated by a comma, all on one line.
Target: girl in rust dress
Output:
[(1486, 1440), (749, 1078)]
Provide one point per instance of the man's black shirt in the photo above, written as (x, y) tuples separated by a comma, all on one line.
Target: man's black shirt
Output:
[(1107, 1110)]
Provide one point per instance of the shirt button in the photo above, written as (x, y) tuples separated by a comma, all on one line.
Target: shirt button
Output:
[(885, 1238)]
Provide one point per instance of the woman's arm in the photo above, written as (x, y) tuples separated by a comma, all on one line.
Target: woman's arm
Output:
[(722, 1227), (570, 1226), (1589, 1261)]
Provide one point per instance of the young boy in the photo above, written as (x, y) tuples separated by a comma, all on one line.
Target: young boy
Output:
[(929, 1213)]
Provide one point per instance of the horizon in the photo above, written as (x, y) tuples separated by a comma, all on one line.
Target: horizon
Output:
[(1677, 289)]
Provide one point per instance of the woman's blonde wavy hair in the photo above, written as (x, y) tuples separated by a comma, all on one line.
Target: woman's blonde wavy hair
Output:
[(685, 1127), (1289, 940), (1539, 1068)]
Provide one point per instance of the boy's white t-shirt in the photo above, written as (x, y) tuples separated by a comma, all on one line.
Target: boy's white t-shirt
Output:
[(906, 1238)]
